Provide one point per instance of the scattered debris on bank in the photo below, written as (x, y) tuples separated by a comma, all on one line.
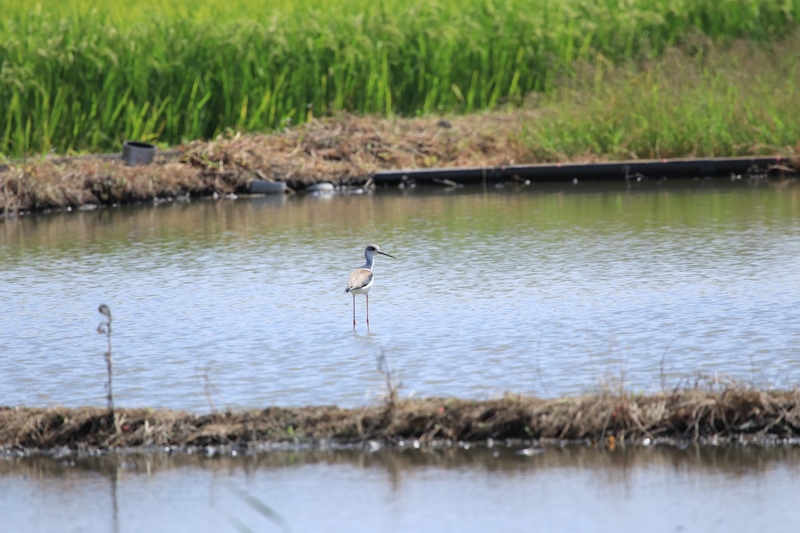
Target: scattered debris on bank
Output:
[(734, 415), (344, 151)]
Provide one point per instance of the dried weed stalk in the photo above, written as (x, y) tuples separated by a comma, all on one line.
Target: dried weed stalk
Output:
[(104, 328)]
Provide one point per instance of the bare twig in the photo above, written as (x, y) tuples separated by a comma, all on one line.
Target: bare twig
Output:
[(392, 388), (209, 390), (104, 328), (661, 367)]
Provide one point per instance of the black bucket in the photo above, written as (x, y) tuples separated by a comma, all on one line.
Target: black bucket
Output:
[(138, 153)]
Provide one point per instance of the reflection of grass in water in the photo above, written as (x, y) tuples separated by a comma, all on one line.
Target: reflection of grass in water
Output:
[(263, 509)]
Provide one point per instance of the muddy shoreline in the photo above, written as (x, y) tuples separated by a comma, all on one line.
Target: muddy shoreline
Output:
[(344, 151), (737, 415)]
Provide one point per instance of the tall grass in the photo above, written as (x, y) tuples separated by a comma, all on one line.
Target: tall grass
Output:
[(84, 75), (738, 101)]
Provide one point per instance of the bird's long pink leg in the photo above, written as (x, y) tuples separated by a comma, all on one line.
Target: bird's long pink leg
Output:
[(367, 295), (354, 311)]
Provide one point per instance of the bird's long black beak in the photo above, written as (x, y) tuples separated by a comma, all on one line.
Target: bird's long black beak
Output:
[(387, 255)]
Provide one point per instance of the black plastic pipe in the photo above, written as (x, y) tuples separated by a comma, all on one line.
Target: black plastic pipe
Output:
[(649, 168)]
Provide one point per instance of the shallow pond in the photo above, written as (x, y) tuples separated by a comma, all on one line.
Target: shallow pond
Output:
[(544, 290), (499, 489)]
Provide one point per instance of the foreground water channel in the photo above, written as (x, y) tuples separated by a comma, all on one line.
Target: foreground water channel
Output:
[(544, 290), (498, 489)]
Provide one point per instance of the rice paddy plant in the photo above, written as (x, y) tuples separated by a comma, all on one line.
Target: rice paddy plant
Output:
[(81, 75)]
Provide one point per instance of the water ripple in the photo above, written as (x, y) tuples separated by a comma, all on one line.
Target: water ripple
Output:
[(550, 293)]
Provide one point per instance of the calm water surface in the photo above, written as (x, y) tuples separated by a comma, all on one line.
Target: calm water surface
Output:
[(560, 489), (544, 290)]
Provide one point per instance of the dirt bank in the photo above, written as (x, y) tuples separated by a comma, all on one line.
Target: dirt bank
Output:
[(345, 151), (736, 414)]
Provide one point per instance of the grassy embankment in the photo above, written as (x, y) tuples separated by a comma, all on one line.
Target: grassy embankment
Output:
[(728, 414), (520, 82)]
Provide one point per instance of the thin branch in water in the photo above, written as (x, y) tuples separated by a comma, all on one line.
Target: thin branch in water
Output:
[(752, 370), (661, 367), (392, 388), (539, 368), (104, 328), (209, 390)]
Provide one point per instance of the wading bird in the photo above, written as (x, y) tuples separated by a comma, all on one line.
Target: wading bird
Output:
[(360, 280)]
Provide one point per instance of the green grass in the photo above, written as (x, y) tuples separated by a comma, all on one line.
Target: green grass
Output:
[(739, 101), (82, 75)]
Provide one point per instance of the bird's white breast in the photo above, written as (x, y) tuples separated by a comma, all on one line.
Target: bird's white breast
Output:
[(360, 281)]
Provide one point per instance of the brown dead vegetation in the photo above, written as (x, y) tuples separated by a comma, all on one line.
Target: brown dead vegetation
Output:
[(735, 414), (103, 181), (351, 148), (342, 150)]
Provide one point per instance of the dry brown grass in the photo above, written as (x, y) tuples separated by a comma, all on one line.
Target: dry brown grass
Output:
[(344, 150), (94, 181), (341, 150), (352, 148), (733, 413)]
